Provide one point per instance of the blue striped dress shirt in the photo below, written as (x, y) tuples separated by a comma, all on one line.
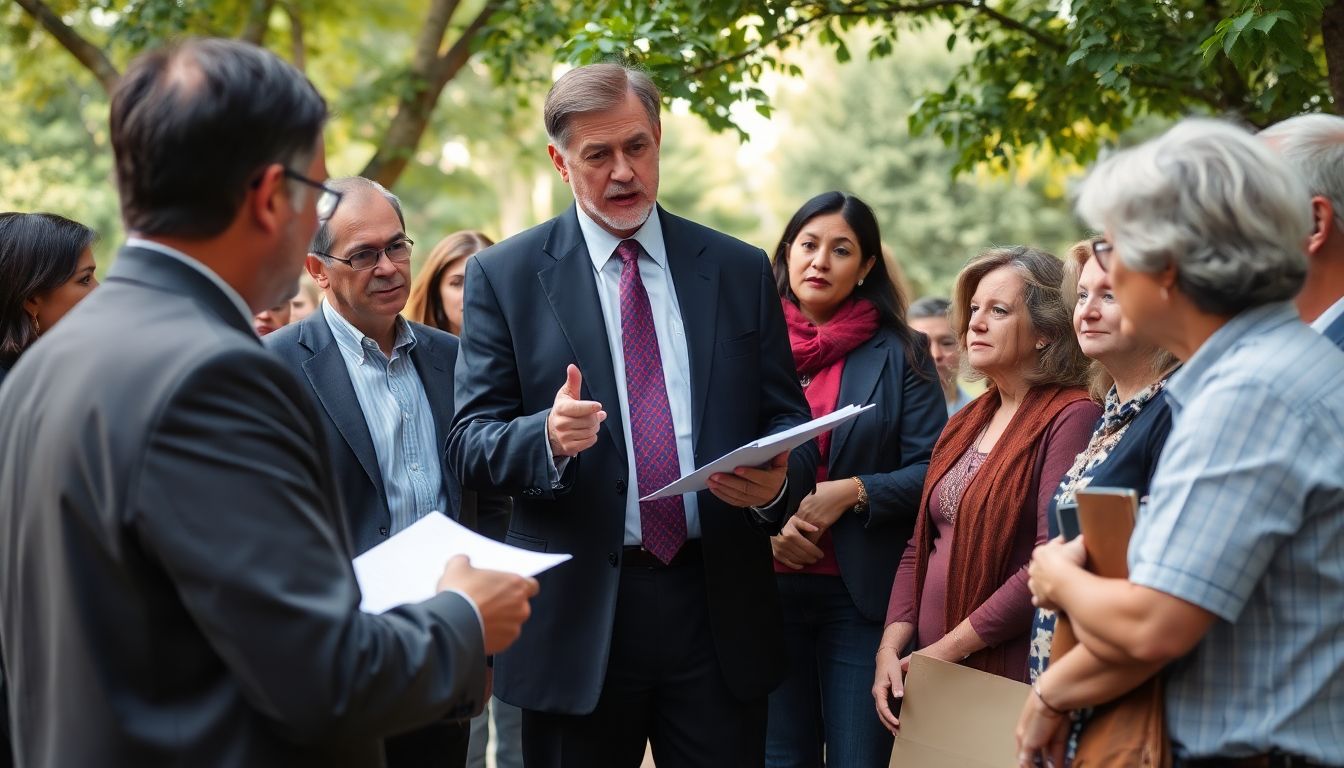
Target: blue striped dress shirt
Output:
[(396, 410), (1245, 519)]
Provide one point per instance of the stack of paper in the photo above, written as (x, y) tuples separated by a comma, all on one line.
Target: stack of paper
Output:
[(760, 452)]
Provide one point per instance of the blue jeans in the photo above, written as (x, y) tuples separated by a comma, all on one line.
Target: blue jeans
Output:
[(823, 713)]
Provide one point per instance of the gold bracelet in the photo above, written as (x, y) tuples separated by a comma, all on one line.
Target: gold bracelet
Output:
[(862, 505)]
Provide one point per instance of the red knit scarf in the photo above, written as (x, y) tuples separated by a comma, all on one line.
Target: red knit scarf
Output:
[(818, 346)]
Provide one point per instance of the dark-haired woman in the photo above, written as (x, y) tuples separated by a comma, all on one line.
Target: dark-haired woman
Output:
[(46, 267), (836, 557)]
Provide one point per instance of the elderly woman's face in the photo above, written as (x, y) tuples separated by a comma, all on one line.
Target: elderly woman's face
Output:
[(1096, 317), (1000, 339)]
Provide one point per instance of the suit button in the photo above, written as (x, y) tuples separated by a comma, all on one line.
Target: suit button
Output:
[(611, 558), (620, 487), (382, 531)]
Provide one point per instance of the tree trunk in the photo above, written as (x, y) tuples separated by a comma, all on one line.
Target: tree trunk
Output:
[(258, 21), (88, 54), (298, 51), (1332, 37), (430, 73)]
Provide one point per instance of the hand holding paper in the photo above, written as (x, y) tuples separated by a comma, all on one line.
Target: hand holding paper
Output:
[(501, 597), (751, 486)]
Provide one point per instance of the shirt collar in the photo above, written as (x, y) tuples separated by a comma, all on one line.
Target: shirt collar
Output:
[(355, 344), (1189, 381), (233, 296), (1328, 316), (602, 244)]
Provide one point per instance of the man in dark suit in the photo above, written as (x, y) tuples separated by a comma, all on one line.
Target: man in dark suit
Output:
[(1313, 145), (177, 587), (668, 347), (385, 386)]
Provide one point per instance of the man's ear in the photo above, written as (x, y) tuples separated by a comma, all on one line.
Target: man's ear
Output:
[(317, 269), (268, 199), (558, 160), (1322, 224)]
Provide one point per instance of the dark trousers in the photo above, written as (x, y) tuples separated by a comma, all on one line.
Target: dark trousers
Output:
[(826, 702), (663, 687), (437, 745)]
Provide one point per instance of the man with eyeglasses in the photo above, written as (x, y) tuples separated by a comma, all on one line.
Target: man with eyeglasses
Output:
[(385, 386), (176, 585)]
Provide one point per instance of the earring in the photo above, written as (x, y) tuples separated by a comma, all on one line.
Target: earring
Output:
[(1040, 345), (860, 281), (37, 327), (1166, 295)]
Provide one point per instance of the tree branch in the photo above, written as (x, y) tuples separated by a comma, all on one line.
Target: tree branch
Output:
[(297, 49), (430, 73), (258, 21), (88, 54)]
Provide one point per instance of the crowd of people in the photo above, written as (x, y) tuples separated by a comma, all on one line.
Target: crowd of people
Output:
[(183, 498)]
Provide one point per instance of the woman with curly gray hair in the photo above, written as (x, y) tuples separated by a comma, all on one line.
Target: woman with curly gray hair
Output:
[(1235, 563)]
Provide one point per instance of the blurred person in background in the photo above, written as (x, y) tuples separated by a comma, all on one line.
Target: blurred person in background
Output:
[(1236, 578), (960, 593), (1313, 147), (837, 555), (929, 316), (306, 300), (436, 296), (46, 268), (273, 319)]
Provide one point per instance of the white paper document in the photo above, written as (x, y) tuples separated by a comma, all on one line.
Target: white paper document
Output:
[(406, 568), (759, 452)]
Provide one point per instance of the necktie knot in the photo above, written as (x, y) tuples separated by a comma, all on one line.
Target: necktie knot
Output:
[(628, 251)]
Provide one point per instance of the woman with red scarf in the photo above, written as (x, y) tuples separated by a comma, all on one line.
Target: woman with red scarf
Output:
[(836, 557), (960, 593)]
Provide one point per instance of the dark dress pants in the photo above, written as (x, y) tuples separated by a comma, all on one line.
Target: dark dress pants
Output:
[(437, 745), (663, 686)]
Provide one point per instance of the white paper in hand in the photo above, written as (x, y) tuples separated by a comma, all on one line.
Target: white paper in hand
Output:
[(406, 568), (759, 452)]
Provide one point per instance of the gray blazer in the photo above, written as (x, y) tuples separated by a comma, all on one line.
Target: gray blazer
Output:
[(311, 352), (175, 579)]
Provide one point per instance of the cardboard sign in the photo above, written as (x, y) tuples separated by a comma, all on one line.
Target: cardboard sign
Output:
[(957, 717)]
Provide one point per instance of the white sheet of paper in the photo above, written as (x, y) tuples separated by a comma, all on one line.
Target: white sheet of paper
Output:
[(406, 568), (758, 452)]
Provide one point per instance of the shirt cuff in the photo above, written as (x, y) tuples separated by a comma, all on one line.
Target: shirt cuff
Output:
[(767, 517), (557, 466), (474, 609)]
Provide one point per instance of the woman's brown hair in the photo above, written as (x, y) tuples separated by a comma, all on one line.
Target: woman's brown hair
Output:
[(425, 304), (1061, 362)]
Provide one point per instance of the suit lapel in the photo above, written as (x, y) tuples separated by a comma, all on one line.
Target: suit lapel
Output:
[(572, 291), (433, 368), (696, 277), (331, 382), (863, 369)]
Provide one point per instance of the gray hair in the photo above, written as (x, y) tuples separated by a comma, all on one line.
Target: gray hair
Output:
[(1313, 145), (1214, 202), (929, 306), (349, 186), (596, 88)]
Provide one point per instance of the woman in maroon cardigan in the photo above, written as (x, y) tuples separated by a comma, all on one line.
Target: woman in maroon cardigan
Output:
[(960, 593)]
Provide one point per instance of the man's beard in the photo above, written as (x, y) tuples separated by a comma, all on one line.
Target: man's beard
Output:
[(632, 219)]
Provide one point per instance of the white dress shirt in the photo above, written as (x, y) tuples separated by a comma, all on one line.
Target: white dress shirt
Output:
[(1328, 316)]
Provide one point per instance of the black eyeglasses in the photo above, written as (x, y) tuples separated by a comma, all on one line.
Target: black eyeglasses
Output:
[(327, 198), (1101, 251), (397, 250)]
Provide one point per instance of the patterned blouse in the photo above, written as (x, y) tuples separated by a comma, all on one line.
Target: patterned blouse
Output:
[(1115, 420)]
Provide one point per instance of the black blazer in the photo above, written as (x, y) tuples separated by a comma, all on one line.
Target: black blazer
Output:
[(531, 308), (888, 448), (310, 350), (176, 585)]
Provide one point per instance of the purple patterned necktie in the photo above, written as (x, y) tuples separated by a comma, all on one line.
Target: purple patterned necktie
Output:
[(662, 522)]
